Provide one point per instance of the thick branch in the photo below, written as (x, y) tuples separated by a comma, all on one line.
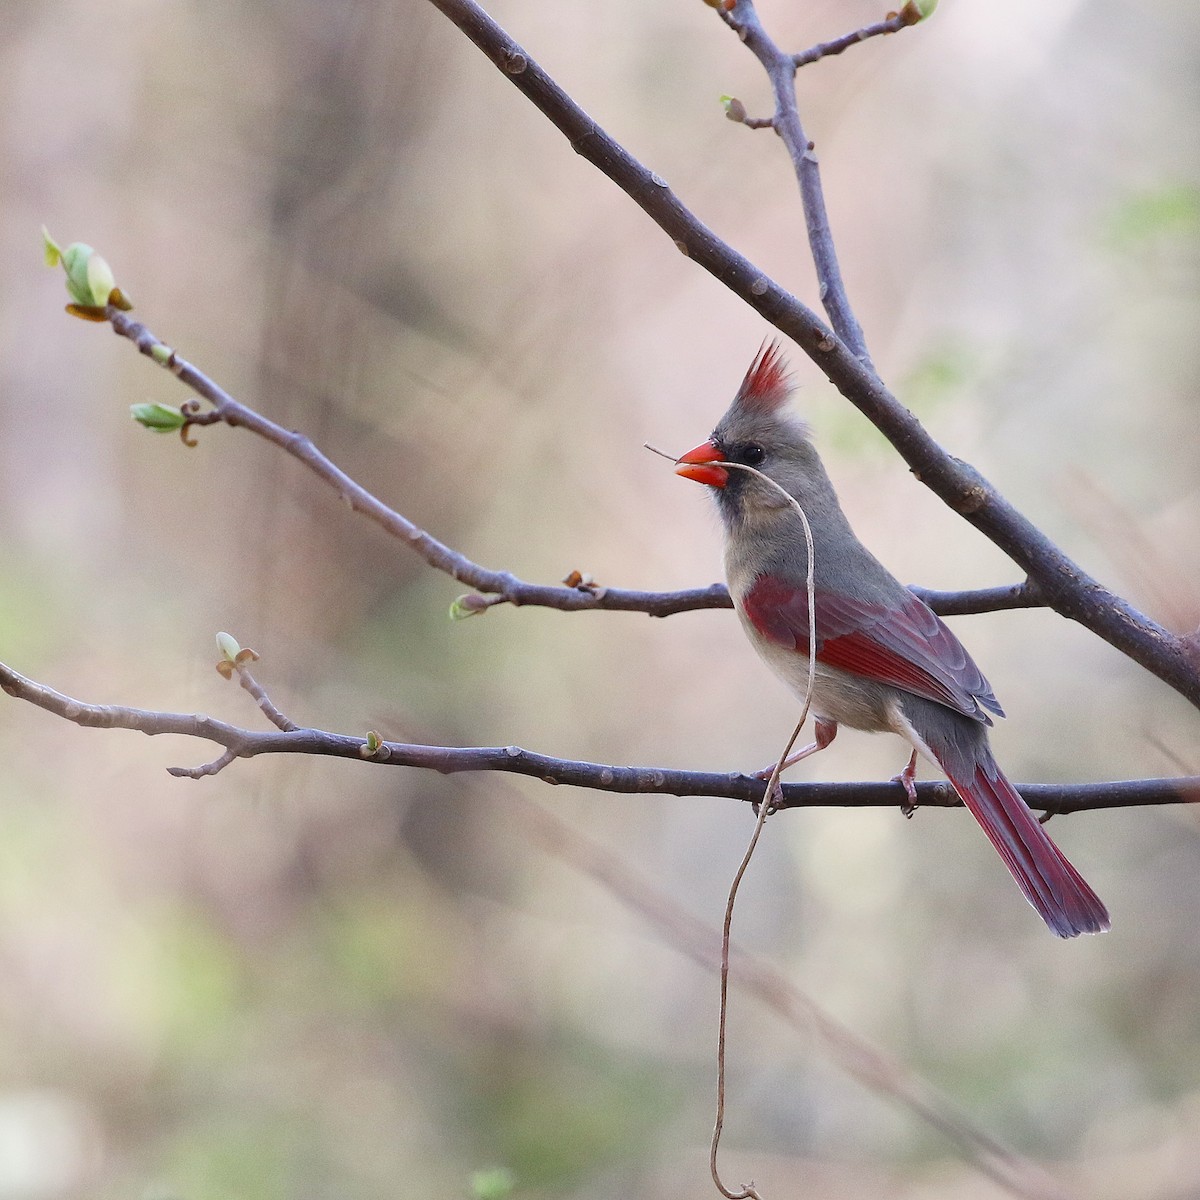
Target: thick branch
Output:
[(449, 760), (1067, 588)]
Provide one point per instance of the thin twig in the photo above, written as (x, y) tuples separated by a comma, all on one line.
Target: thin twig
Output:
[(1065, 586), (662, 781), (891, 24), (498, 586), (251, 685), (214, 767), (781, 71)]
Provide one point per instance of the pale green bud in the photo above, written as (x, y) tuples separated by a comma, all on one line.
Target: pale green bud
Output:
[(735, 110), (470, 605), (51, 250), (90, 281), (162, 418), (228, 646)]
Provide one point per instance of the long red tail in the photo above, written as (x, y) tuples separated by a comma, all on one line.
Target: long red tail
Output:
[(1058, 892)]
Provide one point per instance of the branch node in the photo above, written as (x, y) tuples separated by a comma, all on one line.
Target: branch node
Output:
[(375, 747), (972, 501)]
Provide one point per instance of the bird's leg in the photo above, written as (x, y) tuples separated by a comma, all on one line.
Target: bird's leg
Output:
[(908, 778), (823, 732)]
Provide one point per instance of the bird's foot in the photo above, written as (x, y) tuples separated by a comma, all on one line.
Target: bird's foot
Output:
[(775, 803), (908, 778)]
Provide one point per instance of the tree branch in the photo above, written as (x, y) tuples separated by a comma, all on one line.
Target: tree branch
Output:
[(497, 586), (1065, 586), (781, 71), (994, 599), (892, 24), (238, 742)]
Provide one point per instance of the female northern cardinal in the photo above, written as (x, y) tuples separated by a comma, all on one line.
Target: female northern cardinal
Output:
[(885, 660)]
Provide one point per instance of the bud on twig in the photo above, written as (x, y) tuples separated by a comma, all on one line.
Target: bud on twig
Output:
[(374, 747), (232, 654), (735, 110), (161, 418), (90, 281), (917, 10), (470, 605)]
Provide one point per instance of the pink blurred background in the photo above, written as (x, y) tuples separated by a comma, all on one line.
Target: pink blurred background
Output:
[(305, 978)]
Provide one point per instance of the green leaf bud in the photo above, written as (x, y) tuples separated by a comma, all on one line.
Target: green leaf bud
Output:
[(470, 605), (51, 250), (228, 646), (735, 110), (90, 281), (162, 418), (100, 280)]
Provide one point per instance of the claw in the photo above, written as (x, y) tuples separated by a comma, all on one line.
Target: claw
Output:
[(907, 777), (776, 800)]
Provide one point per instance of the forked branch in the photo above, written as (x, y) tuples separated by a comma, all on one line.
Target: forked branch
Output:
[(1063, 584)]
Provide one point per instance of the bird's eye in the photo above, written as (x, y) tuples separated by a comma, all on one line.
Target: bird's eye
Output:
[(752, 455)]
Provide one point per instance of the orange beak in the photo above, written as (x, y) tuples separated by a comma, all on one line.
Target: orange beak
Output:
[(700, 465)]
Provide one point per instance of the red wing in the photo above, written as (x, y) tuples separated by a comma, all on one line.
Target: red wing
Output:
[(908, 646)]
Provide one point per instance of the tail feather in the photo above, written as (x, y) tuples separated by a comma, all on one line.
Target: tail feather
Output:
[(1055, 889)]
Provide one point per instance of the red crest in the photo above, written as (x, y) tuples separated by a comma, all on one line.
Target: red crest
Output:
[(768, 383)]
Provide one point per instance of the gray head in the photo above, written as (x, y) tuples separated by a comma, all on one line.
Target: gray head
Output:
[(759, 431)]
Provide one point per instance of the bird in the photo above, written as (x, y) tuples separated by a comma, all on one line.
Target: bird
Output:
[(885, 661)]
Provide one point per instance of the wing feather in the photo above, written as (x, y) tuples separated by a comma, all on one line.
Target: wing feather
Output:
[(907, 646)]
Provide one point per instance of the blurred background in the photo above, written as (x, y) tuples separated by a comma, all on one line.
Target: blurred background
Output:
[(304, 978)]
